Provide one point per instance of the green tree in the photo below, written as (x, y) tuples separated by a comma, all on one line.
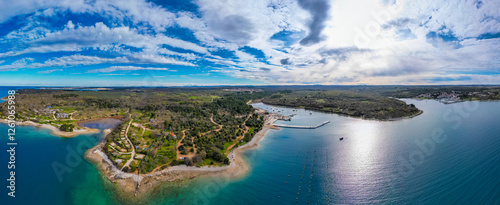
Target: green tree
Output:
[(67, 127)]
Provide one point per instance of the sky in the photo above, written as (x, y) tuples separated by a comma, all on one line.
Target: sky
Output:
[(261, 42)]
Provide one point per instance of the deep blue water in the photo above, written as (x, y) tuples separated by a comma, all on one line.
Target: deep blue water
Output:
[(5, 89), (448, 155)]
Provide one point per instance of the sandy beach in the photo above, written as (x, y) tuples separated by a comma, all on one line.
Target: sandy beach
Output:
[(138, 185), (55, 131)]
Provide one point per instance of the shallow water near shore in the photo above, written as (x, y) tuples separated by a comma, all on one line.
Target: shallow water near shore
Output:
[(37, 182), (391, 162)]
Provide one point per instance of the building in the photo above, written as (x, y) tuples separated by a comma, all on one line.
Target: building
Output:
[(62, 115), (173, 135)]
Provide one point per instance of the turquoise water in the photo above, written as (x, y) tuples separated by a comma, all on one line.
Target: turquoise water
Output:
[(37, 153), (448, 155)]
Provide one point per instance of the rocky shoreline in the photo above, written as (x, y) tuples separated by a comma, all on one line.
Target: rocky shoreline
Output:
[(136, 186)]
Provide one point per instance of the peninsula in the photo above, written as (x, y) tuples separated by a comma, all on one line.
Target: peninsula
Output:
[(171, 134)]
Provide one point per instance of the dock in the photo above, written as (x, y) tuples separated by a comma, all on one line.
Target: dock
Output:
[(286, 117), (302, 126)]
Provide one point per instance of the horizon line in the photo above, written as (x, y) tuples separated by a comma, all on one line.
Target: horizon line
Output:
[(230, 85)]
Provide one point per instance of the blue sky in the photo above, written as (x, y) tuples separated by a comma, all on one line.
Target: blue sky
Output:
[(228, 42)]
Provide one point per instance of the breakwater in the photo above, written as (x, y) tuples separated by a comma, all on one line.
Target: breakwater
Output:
[(302, 126)]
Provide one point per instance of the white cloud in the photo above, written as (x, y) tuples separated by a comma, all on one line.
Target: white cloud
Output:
[(98, 36), (157, 59), (77, 59), (111, 74), (21, 63), (125, 68), (394, 36), (65, 61), (139, 11), (49, 71), (70, 25)]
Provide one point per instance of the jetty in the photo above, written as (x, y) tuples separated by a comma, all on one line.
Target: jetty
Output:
[(286, 117), (302, 126)]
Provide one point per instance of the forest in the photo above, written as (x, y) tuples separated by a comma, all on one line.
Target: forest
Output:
[(356, 104)]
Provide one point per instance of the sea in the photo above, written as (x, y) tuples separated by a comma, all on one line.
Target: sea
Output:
[(450, 154), (5, 89)]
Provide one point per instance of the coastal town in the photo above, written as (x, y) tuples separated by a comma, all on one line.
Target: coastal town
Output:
[(459, 96), (446, 98)]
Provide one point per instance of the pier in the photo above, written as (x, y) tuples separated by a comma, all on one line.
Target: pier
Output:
[(301, 126)]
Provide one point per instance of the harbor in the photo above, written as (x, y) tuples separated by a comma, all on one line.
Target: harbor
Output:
[(302, 126)]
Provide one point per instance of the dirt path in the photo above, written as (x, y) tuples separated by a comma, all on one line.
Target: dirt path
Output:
[(240, 137), (212, 119), (179, 155), (132, 145), (158, 167), (190, 155)]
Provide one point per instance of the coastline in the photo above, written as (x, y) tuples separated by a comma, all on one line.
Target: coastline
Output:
[(406, 117), (136, 186), (54, 130), (345, 115)]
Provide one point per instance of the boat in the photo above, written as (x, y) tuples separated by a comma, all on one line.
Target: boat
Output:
[(341, 138)]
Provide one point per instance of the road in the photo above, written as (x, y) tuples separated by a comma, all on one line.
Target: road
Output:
[(132, 145)]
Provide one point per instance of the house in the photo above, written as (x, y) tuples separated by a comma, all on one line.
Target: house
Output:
[(173, 135), (62, 115)]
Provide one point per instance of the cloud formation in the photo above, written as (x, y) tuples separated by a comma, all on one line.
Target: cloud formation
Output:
[(319, 12), (125, 68), (263, 42)]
